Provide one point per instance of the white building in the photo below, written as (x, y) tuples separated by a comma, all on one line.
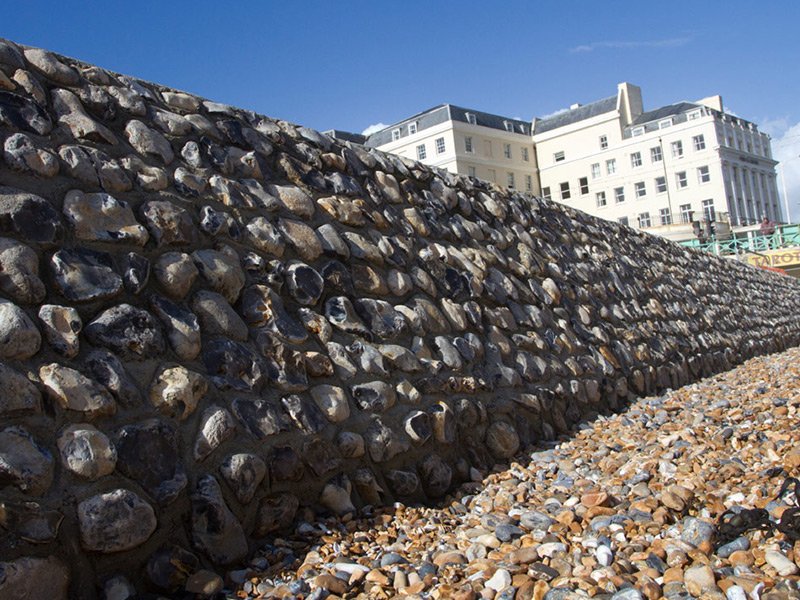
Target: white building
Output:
[(661, 169), (469, 142)]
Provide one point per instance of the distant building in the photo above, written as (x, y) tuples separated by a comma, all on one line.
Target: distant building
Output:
[(658, 170), (681, 171), (469, 142)]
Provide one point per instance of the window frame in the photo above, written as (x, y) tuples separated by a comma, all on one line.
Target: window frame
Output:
[(681, 180), (665, 123), (525, 154), (636, 160), (395, 134), (611, 166), (565, 192), (639, 190), (559, 156), (507, 150), (703, 177), (440, 145), (619, 195), (422, 152), (677, 148), (597, 172), (412, 128), (600, 199), (665, 216), (471, 118), (583, 185), (661, 182), (643, 219), (528, 183), (699, 142), (546, 194), (656, 154), (511, 182), (603, 142), (468, 147), (709, 212), (637, 131)]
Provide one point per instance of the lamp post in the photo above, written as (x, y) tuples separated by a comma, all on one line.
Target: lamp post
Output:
[(666, 178)]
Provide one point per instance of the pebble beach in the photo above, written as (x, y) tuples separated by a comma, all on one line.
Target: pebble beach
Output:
[(626, 507)]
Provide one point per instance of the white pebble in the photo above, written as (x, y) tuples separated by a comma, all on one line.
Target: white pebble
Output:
[(780, 563), (736, 592), (499, 581), (350, 568), (604, 555)]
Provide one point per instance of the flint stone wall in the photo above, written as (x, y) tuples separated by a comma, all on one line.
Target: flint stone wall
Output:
[(214, 323)]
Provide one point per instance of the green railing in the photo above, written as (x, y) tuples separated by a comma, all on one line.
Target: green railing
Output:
[(739, 243)]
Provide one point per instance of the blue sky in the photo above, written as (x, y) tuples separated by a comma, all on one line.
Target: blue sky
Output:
[(351, 64)]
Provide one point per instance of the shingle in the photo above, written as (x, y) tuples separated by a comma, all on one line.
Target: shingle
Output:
[(574, 115), (664, 112)]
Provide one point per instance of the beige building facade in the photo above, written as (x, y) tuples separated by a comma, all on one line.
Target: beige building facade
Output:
[(681, 171), (467, 142), (672, 171)]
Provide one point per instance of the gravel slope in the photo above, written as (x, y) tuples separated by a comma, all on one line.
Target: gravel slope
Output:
[(628, 507)]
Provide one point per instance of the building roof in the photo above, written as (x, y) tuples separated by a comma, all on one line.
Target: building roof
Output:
[(346, 136), (574, 115), (664, 112), (443, 113)]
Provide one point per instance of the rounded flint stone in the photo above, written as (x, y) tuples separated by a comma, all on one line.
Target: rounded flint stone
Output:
[(24, 463), (128, 331), (74, 391), (215, 530), (19, 337), (83, 275), (384, 321), (243, 473), (21, 113), (29, 216), (19, 277), (375, 396), (305, 284), (147, 452), (86, 451), (115, 521)]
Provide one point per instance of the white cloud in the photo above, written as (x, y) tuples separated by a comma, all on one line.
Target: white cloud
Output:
[(786, 150), (629, 44), (772, 127), (373, 128)]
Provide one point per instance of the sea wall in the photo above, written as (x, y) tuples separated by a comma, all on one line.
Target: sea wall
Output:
[(214, 323)]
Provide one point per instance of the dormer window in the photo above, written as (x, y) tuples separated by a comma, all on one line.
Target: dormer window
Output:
[(664, 123), (395, 134), (637, 131), (471, 119), (695, 114), (412, 128), (509, 126)]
